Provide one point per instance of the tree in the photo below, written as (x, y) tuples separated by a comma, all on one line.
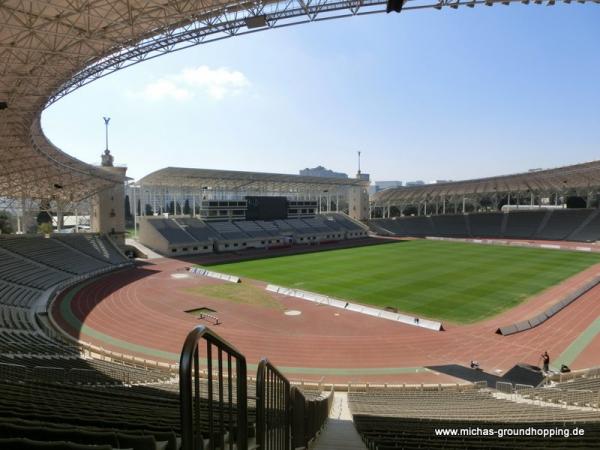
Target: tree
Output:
[(394, 211), (5, 222), (576, 202), (128, 215), (45, 228), (186, 207), (44, 216), (486, 202), (149, 211), (410, 211)]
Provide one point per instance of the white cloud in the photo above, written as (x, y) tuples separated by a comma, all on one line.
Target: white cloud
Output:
[(203, 80), (217, 83), (165, 89)]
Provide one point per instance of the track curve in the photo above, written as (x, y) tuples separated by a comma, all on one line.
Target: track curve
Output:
[(142, 312)]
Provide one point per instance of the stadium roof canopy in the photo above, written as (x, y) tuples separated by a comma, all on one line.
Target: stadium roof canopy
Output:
[(229, 180), (580, 177), (49, 48)]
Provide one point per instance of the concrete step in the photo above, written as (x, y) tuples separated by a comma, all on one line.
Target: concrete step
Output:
[(339, 432)]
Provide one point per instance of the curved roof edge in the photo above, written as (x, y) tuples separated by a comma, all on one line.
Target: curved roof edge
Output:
[(240, 180), (575, 177)]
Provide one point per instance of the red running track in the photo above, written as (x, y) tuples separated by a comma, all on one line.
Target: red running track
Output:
[(146, 307)]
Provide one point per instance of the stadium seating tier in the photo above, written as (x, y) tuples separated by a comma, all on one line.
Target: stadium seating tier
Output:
[(544, 224)]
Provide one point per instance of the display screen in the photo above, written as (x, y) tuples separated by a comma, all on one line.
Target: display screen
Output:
[(266, 208)]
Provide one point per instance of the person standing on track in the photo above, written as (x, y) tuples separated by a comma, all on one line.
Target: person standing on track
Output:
[(546, 360)]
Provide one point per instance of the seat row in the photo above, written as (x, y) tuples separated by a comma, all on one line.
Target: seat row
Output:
[(190, 236), (546, 224), (52, 253)]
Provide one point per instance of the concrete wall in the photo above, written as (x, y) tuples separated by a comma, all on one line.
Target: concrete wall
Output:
[(358, 203), (108, 209), (151, 238)]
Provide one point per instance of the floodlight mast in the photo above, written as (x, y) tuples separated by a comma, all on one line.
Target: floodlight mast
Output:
[(106, 121)]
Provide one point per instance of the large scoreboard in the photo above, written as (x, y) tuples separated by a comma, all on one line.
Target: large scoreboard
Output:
[(266, 208)]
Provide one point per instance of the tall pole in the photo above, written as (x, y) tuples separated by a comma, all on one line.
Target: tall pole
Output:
[(106, 120)]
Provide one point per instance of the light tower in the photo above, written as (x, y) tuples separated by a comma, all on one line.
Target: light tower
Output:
[(358, 201), (107, 158), (106, 121), (108, 206)]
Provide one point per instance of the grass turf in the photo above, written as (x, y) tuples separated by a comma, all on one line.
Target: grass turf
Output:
[(457, 282), (239, 293)]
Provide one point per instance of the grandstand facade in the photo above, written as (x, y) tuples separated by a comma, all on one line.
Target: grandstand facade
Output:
[(582, 225), (222, 194), (555, 204), (181, 235), (541, 188), (195, 211)]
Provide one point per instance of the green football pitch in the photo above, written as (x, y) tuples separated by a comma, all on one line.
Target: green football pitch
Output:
[(457, 282)]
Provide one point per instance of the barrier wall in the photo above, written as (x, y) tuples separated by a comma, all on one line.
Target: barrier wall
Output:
[(554, 309), (343, 304), (579, 248), (220, 276)]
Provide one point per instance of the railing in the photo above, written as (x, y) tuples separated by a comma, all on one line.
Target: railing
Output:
[(308, 416), (272, 408), (285, 419), (212, 416)]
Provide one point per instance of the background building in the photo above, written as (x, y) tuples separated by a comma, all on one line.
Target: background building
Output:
[(321, 171)]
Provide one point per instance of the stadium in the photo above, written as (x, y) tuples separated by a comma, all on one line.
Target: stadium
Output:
[(219, 309)]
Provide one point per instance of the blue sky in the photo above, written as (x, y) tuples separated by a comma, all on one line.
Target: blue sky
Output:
[(449, 94)]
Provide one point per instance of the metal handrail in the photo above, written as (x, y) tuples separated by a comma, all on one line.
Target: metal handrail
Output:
[(308, 417), (217, 410), (273, 408)]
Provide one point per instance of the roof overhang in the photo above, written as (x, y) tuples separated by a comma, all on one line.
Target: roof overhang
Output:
[(585, 176), (230, 180)]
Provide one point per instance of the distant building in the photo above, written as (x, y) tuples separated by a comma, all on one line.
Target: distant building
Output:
[(441, 181), (381, 185), (415, 183), (321, 171)]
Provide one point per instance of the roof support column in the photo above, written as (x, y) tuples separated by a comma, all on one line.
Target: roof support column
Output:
[(134, 210), (588, 201), (59, 216)]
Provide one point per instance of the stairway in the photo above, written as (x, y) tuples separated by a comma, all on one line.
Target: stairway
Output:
[(339, 432)]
